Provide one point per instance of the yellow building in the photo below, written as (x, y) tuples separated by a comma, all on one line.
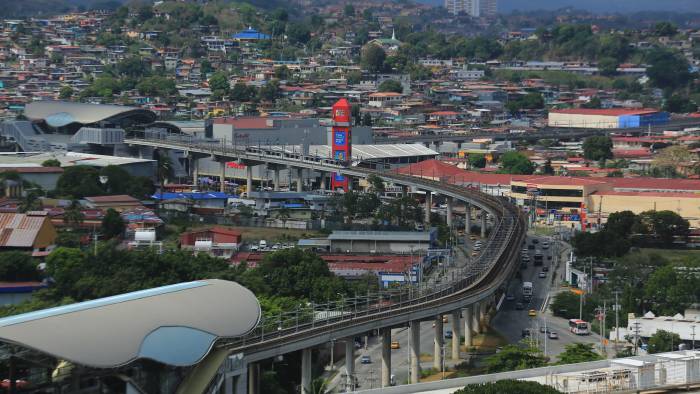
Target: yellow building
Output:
[(602, 204)]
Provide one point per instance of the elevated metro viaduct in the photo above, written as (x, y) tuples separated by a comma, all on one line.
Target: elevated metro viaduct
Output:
[(233, 365)]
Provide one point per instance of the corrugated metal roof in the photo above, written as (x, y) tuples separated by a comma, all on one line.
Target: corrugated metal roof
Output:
[(19, 230), (414, 236)]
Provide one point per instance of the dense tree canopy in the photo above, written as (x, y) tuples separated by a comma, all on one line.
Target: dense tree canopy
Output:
[(391, 85), (579, 353), (516, 163), (597, 148), (508, 387), (17, 266), (663, 341), (514, 357)]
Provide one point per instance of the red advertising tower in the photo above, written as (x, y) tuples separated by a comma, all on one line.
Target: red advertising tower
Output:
[(342, 140)]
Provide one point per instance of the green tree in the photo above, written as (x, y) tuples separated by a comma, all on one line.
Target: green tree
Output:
[(664, 226), (73, 215), (680, 104), (516, 163), (157, 86), (594, 103), (608, 66), (270, 91), (376, 184), (78, 182), (667, 69), (579, 353), (367, 119), (663, 341), (477, 160), (597, 148), (372, 58), (298, 33), (65, 92), (514, 357), (218, 83), (665, 29), (51, 163), (391, 85), (112, 224), (68, 239), (17, 266), (508, 386), (669, 290), (242, 92), (621, 223), (547, 168), (349, 10)]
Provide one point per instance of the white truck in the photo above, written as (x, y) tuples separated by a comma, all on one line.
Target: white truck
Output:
[(527, 289)]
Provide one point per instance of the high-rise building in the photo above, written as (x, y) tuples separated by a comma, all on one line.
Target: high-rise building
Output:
[(475, 8), (488, 7)]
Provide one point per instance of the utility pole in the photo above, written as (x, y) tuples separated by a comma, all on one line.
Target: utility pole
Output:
[(693, 335), (617, 321)]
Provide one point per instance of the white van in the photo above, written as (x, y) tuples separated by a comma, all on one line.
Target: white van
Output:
[(262, 244)]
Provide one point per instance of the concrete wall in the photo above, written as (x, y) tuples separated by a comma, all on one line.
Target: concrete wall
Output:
[(688, 207), (576, 120)]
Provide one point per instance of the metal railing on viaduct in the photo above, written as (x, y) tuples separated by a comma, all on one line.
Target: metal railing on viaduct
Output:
[(465, 293)]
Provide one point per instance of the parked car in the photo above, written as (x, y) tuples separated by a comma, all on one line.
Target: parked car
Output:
[(365, 360)]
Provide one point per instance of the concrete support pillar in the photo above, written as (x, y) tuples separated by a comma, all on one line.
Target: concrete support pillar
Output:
[(467, 220), (300, 180), (439, 341), (253, 378), (483, 223), (276, 179), (323, 181), (449, 212), (222, 176), (483, 309), (229, 384), (456, 333), (194, 167), (248, 179), (386, 357), (475, 315), (306, 371), (241, 386), (350, 363), (428, 205), (414, 332), (468, 320)]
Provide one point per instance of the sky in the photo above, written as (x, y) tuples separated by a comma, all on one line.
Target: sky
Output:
[(621, 6)]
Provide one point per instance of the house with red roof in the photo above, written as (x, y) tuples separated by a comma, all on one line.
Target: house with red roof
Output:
[(217, 241)]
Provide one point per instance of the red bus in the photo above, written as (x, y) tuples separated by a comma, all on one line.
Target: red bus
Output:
[(579, 327)]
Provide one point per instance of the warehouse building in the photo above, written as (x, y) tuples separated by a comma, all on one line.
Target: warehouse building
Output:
[(382, 241), (615, 118)]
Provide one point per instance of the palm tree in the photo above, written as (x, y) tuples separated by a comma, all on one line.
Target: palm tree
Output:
[(73, 215)]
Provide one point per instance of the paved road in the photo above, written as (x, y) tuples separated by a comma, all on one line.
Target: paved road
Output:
[(369, 375), (510, 322)]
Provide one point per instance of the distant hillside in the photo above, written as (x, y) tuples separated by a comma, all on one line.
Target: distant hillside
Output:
[(622, 6), (23, 8)]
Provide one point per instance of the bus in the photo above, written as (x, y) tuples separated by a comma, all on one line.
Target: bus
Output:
[(527, 289), (579, 327), (539, 258)]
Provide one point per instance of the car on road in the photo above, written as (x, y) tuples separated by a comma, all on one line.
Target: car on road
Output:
[(395, 345), (543, 329), (531, 247), (365, 360), (535, 241), (445, 319), (542, 274), (545, 245), (549, 257), (524, 251), (525, 332), (553, 335), (448, 334), (519, 306), (532, 313), (510, 297), (475, 253), (545, 269)]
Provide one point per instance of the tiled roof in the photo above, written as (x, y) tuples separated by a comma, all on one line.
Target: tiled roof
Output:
[(115, 198), (605, 112)]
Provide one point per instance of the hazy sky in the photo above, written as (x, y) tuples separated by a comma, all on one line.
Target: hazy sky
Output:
[(596, 5)]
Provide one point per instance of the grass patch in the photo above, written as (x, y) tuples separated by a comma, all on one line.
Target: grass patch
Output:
[(673, 255)]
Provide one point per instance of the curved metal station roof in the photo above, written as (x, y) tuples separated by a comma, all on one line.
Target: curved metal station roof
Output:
[(63, 113), (176, 325)]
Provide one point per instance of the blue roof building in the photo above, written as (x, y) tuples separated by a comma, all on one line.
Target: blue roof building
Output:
[(250, 34)]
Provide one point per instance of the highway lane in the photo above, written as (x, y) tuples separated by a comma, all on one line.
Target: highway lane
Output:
[(510, 322)]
